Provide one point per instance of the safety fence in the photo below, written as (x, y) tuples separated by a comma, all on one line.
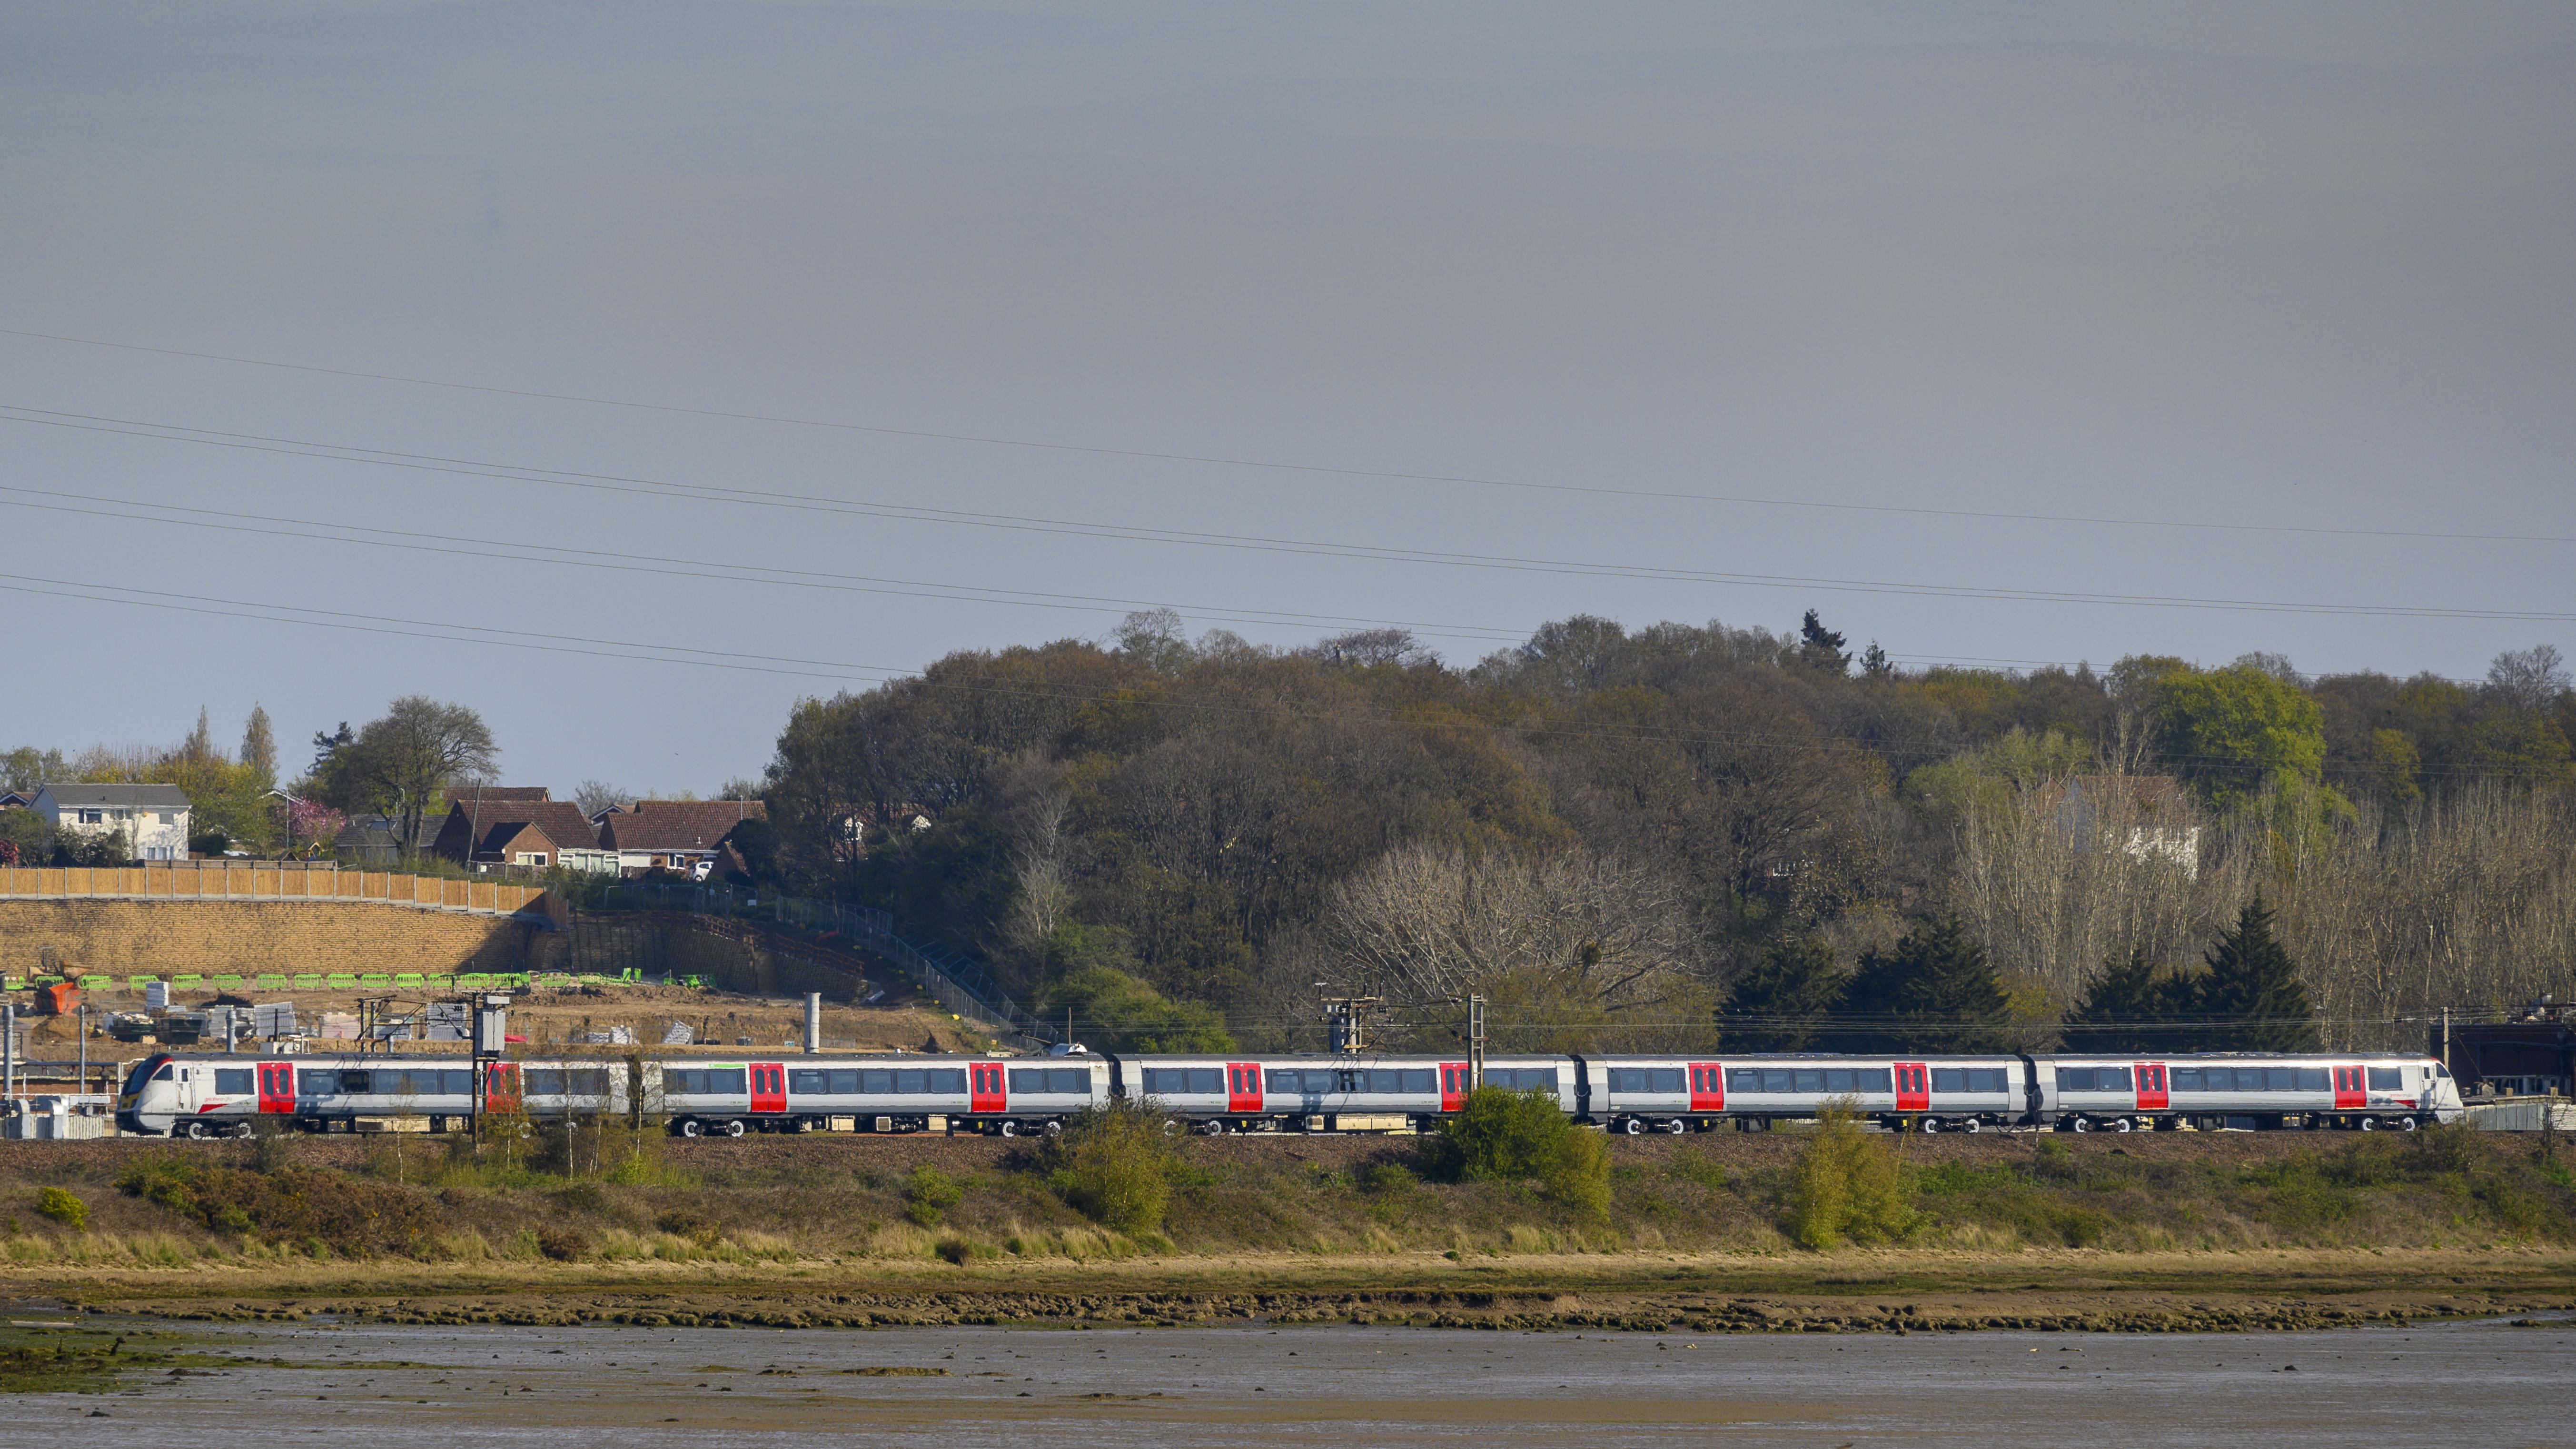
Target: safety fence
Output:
[(272, 881)]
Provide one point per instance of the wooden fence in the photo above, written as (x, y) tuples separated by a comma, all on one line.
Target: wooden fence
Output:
[(265, 881)]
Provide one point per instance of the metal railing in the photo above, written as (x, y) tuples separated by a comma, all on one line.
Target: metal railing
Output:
[(958, 982)]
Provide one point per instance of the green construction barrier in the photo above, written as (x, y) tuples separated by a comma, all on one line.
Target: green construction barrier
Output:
[(407, 978), (275, 982), (228, 983), (376, 982), (343, 981), (308, 982)]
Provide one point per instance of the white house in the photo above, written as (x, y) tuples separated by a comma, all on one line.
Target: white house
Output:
[(153, 819)]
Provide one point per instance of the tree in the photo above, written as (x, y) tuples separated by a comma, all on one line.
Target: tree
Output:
[(594, 796), (2251, 998), (1822, 647), (2131, 1006), (1875, 663), (1935, 991), (1784, 1002), (200, 744), (2233, 731), (26, 767), (405, 761), (259, 746), (2528, 679)]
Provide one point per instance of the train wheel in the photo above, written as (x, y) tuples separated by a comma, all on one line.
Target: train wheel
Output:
[(1676, 1126), (1054, 1129), (691, 1127), (2120, 1124), (1632, 1126), (2405, 1124), (1970, 1127), (1172, 1127), (1010, 1128), (2082, 1124), (2369, 1124), (1931, 1125), (732, 1128)]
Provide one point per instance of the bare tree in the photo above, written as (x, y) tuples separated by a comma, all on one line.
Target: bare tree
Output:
[(1570, 938), (1037, 867), (2528, 679), (594, 796), (408, 758)]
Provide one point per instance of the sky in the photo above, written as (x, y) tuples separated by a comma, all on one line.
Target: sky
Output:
[(630, 372)]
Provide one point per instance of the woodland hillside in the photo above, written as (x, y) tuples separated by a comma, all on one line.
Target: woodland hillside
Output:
[(1684, 834)]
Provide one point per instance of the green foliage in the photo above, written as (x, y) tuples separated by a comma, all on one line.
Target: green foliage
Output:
[(928, 1194), (63, 1206), (2250, 999), (1781, 1004), (1114, 1007), (1846, 1186), (2132, 1006), (1115, 1165), (2232, 731), (1934, 991), (1499, 1135)]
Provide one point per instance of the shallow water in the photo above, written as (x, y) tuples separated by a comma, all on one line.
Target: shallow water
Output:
[(1219, 1388)]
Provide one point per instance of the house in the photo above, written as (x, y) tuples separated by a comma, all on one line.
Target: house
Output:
[(152, 819), (682, 836), (376, 840), (535, 832), (2148, 817), (16, 800)]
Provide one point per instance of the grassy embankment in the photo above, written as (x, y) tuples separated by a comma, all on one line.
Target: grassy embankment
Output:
[(2162, 1231)]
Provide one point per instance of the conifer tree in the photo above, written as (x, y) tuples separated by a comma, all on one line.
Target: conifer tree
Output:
[(2130, 1007), (1784, 1003), (1822, 648), (1935, 991), (2251, 999), (259, 745)]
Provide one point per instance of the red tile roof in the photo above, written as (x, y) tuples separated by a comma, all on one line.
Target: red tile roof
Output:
[(677, 824)]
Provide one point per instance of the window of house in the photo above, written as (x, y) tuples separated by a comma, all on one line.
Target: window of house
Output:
[(93, 817)]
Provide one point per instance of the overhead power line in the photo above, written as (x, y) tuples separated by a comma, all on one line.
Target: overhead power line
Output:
[(1081, 528), (1320, 469)]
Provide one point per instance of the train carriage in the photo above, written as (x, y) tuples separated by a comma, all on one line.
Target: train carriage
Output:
[(2363, 1091), (225, 1096)]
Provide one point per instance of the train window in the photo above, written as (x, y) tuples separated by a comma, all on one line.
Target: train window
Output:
[(1286, 1084), (1872, 1081), (2284, 1079), (576, 1082), (1028, 1079), (1809, 1080), (539, 1082), (2187, 1079), (1779, 1081), (2442, 1071), (1743, 1079), (1989, 1079), (2386, 1079), (911, 1084), (1521, 1079), (232, 1080), (309, 1081), (2313, 1079), (844, 1083), (809, 1083), (1839, 1081), (1949, 1079), (1173, 1081)]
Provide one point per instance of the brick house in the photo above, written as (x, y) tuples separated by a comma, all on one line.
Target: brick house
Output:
[(681, 836), (535, 832)]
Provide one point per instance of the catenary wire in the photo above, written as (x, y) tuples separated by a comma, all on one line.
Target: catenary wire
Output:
[(1248, 542), (1272, 465)]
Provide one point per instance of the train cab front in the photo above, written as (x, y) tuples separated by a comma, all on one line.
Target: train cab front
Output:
[(151, 1078)]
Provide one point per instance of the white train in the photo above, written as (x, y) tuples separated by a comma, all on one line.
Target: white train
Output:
[(210, 1096)]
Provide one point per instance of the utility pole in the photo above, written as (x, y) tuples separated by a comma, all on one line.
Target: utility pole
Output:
[(2446, 1039), (1475, 1042)]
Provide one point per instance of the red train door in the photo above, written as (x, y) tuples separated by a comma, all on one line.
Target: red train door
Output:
[(2349, 1089), (1243, 1086), (768, 1087), (986, 1090), (2151, 1087), (1453, 1086), (1913, 1087), (501, 1087), (276, 1087), (1708, 1089)]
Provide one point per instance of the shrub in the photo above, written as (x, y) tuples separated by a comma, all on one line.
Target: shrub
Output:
[(696, 1227), (563, 1244), (1846, 1186), (1114, 1165), (63, 1206), (1516, 1136), (928, 1193), (333, 1211)]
